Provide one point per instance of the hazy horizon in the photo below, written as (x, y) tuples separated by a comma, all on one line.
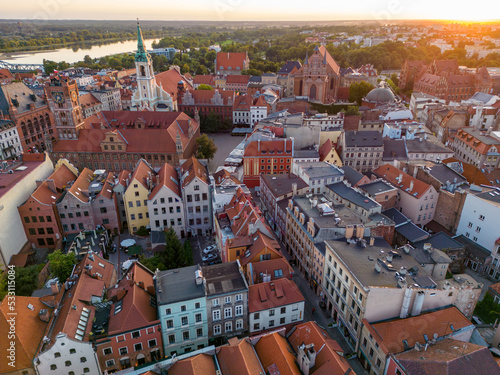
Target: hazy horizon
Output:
[(256, 11)]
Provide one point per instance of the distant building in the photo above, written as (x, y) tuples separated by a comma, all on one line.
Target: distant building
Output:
[(229, 63), (361, 150), (10, 144), (477, 148)]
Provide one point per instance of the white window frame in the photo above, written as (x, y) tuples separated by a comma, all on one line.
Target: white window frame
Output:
[(238, 308), (216, 314), (228, 312), (217, 329), (230, 325)]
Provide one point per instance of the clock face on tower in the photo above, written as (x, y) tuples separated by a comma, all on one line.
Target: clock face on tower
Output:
[(58, 97), (74, 96)]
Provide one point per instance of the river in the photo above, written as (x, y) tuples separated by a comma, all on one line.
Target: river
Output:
[(73, 54)]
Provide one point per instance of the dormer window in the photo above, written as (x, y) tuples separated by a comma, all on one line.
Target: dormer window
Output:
[(111, 139)]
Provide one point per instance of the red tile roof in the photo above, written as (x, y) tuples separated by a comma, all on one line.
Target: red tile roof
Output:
[(238, 357), (167, 176), (262, 297), (201, 364), (205, 79), (275, 355), (392, 333), (88, 100), (269, 267), (80, 187), (237, 79), (261, 243), (391, 174), (28, 334), (6, 74), (11, 180), (472, 173), (231, 59), (142, 172), (205, 97), (169, 80), (329, 59), (325, 150), (192, 168), (259, 148), (136, 311), (45, 194), (223, 177), (327, 350), (242, 103)]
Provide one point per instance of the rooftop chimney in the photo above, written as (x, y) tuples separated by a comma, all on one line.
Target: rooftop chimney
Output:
[(349, 231), (198, 277), (360, 231), (400, 178), (55, 288), (372, 241), (411, 185), (306, 358)]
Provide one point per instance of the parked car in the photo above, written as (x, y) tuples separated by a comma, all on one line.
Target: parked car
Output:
[(209, 257), (209, 249)]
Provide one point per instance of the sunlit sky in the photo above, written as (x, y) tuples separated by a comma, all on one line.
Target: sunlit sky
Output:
[(255, 10)]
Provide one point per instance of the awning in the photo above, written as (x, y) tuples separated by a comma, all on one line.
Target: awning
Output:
[(133, 250), (128, 242)]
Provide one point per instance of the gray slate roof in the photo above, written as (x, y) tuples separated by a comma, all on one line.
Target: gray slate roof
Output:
[(341, 189), (420, 145), (351, 175), (396, 216), (440, 241), (178, 285), (223, 278), (411, 232), (20, 92), (394, 149), (443, 173), (368, 138), (377, 187)]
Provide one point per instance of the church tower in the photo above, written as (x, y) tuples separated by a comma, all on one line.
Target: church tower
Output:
[(146, 83)]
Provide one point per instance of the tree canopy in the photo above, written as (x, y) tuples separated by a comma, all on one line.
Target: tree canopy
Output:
[(206, 147), (61, 265), (358, 90)]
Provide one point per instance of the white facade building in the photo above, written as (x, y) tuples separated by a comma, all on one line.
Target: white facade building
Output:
[(68, 356), (10, 145), (479, 219), (326, 121), (197, 197), (111, 99), (165, 206), (318, 174), (84, 81)]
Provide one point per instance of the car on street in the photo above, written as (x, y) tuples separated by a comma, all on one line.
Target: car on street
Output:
[(209, 249), (209, 257)]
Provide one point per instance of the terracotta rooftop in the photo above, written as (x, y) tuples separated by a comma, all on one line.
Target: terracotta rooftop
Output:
[(392, 333), (223, 177), (192, 168), (391, 174), (88, 100), (136, 309), (45, 193), (80, 187), (201, 364), (142, 172), (230, 59), (169, 80), (273, 148), (276, 268), (327, 349), (238, 357), (260, 242), (280, 292), (329, 59), (275, 355), (206, 79), (30, 331), (167, 176), (237, 79)]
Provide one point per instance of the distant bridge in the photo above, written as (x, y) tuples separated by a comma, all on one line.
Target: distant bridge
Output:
[(20, 68)]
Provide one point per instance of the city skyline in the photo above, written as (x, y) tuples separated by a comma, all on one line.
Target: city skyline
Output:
[(237, 10)]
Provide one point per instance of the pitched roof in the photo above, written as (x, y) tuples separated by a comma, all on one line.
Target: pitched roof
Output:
[(392, 333), (472, 173), (142, 172), (136, 309), (18, 92), (275, 355), (327, 349), (281, 184), (88, 100), (282, 147), (201, 364), (30, 331), (290, 67), (325, 150), (80, 187), (237, 79), (206, 79), (191, 169), (276, 268), (167, 176), (449, 357), (260, 242), (329, 59), (45, 194), (169, 79), (391, 174), (238, 357), (283, 292), (242, 103), (230, 59), (223, 176)]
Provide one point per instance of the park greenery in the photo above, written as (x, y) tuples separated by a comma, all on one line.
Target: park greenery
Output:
[(27, 280), (487, 309), (175, 254), (61, 265)]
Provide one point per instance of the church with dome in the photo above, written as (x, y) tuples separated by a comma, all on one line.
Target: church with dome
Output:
[(379, 96), (149, 94)]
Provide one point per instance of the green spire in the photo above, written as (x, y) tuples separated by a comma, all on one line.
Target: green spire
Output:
[(141, 54)]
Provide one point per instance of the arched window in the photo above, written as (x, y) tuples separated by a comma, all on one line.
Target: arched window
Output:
[(30, 127), (23, 128), (143, 71)]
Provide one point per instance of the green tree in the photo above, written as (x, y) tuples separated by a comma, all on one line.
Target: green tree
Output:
[(351, 110), (49, 66), (185, 69), (188, 253), (61, 265), (358, 90), (205, 87), (205, 147), (153, 262), (487, 309)]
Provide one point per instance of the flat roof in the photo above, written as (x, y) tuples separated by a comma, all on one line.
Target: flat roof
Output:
[(20, 169), (377, 187), (223, 278), (361, 262), (281, 184), (178, 285), (316, 169)]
